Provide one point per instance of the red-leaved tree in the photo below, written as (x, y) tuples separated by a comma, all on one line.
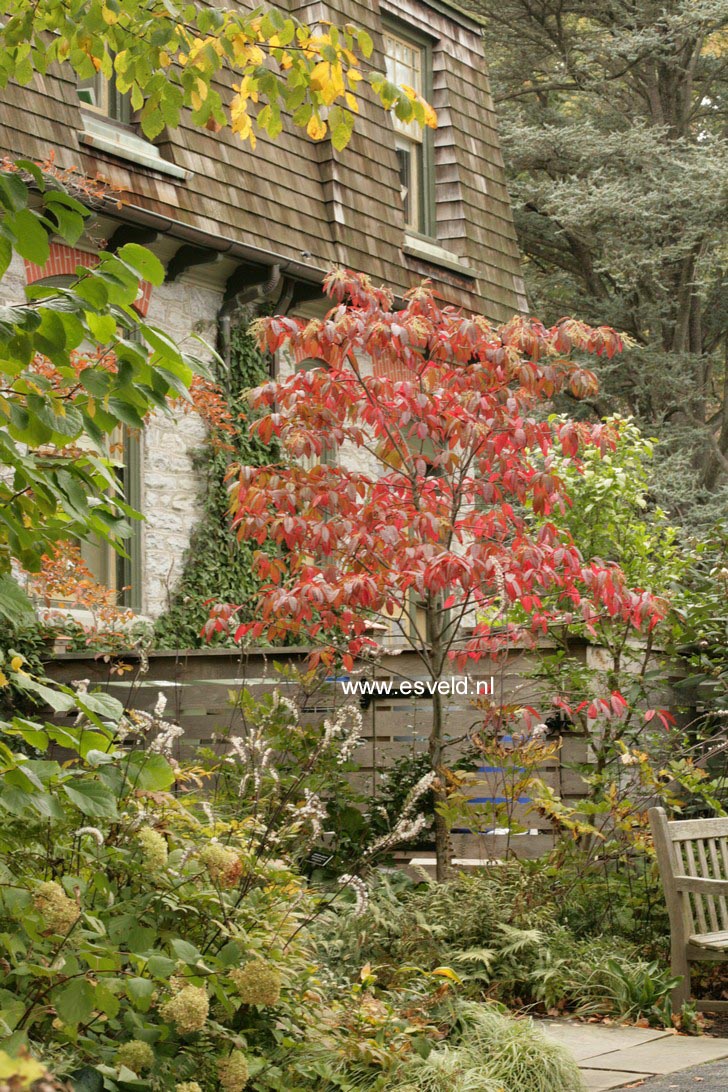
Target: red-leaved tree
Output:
[(439, 422)]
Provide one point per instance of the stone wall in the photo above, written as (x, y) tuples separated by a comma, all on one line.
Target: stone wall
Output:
[(170, 488)]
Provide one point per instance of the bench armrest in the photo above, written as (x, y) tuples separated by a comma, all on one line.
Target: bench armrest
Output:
[(696, 885)]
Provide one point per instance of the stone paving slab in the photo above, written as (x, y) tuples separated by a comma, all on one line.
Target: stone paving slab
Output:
[(600, 1080), (590, 1040), (667, 1054), (612, 1056)]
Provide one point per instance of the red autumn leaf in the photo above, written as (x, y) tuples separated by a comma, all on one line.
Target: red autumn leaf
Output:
[(450, 425)]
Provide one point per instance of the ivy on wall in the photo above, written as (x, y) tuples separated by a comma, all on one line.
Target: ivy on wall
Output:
[(217, 566)]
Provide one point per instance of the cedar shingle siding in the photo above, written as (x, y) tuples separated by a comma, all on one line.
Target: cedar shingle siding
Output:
[(304, 202)]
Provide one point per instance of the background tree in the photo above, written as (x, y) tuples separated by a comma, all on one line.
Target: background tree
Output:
[(430, 519), (613, 120)]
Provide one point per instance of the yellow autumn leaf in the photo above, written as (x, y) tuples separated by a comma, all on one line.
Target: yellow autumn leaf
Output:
[(247, 89), (21, 1071), (110, 17), (328, 80), (246, 52), (240, 120), (319, 75), (430, 116), (196, 101), (316, 128), (447, 972), (351, 102), (202, 89), (164, 59)]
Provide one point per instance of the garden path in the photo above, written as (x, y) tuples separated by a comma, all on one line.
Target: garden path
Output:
[(611, 1056)]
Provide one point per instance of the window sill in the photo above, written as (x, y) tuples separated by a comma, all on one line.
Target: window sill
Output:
[(107, 137), (430, 252)]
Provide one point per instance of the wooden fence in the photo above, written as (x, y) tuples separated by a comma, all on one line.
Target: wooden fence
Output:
[(198, 685)]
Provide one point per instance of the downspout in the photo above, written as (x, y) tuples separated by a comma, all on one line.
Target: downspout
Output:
[(258, 293)]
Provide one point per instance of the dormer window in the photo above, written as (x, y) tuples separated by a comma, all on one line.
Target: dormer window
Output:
[(407, 61), (100, 94)]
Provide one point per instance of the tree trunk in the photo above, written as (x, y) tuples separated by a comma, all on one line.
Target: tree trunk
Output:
[(442, 834), (436, 743)]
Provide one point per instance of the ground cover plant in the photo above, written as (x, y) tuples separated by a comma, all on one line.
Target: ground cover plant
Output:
[(508, 935)]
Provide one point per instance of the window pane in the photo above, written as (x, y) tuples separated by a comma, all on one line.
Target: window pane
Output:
[(403, 64), (101, 95), (92, 93), (409, 158)]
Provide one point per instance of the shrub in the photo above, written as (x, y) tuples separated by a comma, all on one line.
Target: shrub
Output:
[(153, 918)]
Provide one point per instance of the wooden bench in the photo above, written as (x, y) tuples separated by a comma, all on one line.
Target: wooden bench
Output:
[(692, 855)]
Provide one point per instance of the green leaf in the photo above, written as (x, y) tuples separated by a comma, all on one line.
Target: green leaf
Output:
[(92, 289), (366, 45), (16, 801), (31, 238), (75, 1002), (11, 1008), (13, 191), (161, 966), (143, 262), (88, 1079), (28, 731), (14, 603), (47, 806), (104, 705), (139, 991), (107, 1001), (185, 951), (230, 954), (58, 701), (92, 798), (341, 123), (162, 343), (140, 938), (6, 254), (33, 170), (70, 226), (150, 771), (103, 327)]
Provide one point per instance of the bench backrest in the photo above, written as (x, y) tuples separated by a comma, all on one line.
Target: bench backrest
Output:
[(692, 847)]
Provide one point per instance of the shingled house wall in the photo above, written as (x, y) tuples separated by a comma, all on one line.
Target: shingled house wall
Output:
[(291, 204)]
